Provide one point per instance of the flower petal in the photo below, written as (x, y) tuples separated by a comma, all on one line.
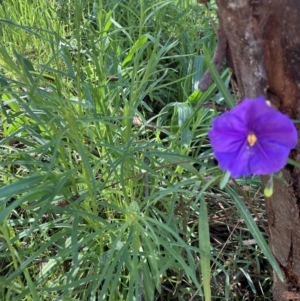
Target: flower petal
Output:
[(275, 133), (227, 133), (268, 158), (236, 162), (250, 109), (254, 109), (275, 127)]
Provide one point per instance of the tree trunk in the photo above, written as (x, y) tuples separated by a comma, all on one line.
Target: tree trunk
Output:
[(264, 45)]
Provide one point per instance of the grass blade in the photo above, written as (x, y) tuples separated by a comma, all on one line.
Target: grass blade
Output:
[(217, 79), (204, 245), (254, 230)]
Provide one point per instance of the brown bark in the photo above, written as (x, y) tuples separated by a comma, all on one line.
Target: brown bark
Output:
[(264, 42)]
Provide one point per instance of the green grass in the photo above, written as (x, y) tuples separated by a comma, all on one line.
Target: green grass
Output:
[(109, 189)]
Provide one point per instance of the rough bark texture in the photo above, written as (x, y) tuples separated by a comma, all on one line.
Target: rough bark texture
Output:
[(264, 41)]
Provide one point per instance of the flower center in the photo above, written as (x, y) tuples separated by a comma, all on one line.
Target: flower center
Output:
[(251, 139)]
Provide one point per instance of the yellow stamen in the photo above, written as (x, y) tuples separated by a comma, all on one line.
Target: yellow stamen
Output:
[(251, 139)]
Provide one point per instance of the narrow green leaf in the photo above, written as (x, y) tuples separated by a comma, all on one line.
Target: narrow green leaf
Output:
[(224, 180), (204, 246), (31, 286), (24, 62), (217, 79), (25, 65), (294, 163), (149, 288), (198, 67), (20, 186), (184, 113), (249, 280), (195, 97), (3, 82), (254, 230), (135, 48), (178, 162)]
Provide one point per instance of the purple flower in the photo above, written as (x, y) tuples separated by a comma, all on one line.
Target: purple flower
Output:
[(252, 138)]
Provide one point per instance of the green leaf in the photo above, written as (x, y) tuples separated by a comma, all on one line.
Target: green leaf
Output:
[(294, 163), (177, 160), (20, 186), (249, 280), (184, 113), (134, 49), (204, 246), (217, 79), (254, 230), (198, 67), (224, 180), (25, 64), (195, 97)]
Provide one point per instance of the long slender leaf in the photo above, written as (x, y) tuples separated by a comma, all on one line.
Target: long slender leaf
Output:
[(254, 230), (216, 77), (204, 245)]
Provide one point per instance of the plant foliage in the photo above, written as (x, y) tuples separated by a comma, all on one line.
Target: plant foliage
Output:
[(108, 184)]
